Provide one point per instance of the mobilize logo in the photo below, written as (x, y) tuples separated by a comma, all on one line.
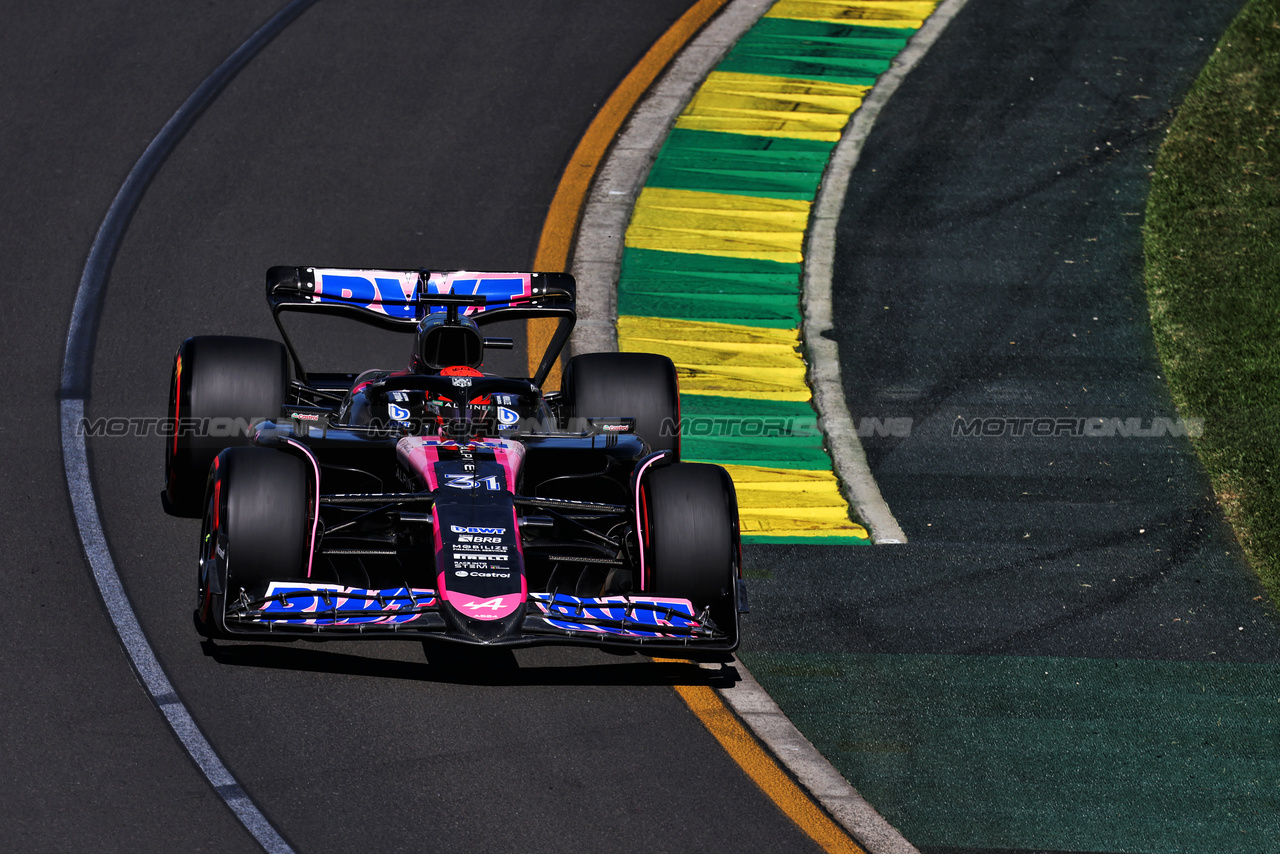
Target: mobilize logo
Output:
[(1096, 427)]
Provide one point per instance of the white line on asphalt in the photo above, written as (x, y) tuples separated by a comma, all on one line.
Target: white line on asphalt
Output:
[(79, 484), (76, 378)]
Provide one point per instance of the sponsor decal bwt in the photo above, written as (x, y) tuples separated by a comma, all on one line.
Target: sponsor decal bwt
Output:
[(468, 529)]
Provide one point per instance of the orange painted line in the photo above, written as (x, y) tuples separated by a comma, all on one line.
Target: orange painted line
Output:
[(566, 206), (763, 770)]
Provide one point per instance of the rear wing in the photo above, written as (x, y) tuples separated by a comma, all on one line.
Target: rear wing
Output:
[(399, 299)]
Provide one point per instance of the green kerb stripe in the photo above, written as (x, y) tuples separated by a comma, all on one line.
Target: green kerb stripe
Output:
[(768, 539), (740, 165), (684, 286), (713, 406), (774, 452), (813, 50), (779, 434)]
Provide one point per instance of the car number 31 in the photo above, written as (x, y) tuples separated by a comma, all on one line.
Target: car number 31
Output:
[(470, 481)]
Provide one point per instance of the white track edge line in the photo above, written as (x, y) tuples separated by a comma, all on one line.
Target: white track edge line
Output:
[(597, 258), (75, 459), (847, 455)]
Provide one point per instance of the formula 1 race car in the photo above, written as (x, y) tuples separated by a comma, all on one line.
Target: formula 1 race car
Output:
[(441, 501)]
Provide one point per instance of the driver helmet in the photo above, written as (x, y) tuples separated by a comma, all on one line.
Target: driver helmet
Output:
[(466, 371)]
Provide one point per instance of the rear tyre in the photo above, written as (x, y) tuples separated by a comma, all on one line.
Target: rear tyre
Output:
[(257, 527), (219, 384), (692, 538), (627, 385)]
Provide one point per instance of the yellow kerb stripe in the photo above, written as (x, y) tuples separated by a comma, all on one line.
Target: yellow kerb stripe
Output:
[(719, 224), (760, 105), (630, 326), (899, 14), (722, 359), (801, 502)]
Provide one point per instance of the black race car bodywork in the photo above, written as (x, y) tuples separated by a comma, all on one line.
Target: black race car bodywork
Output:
[(438, 503)]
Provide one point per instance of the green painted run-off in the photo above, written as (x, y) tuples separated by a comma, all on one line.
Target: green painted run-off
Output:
[(1056, 754)]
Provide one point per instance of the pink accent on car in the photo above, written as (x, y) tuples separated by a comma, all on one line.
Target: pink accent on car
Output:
[(509, 455), (315, 511), (639, 530), (419, 454), (375, 286), (477, 608), (501, 288), (515, 527), (435, 528)]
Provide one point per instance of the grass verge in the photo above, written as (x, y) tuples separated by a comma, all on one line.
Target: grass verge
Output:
[(1212, 240)]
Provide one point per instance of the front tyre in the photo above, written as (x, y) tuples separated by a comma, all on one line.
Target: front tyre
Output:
[(257, 527), (691, 540)]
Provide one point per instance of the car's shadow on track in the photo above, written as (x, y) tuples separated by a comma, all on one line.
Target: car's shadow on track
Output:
[(463, 666)]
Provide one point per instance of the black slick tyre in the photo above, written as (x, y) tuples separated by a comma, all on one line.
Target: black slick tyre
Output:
[(219, 385), (642, 386), (257, 527), (691, 541)]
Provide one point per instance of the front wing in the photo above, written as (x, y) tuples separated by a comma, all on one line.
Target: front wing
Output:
[(316, 611)]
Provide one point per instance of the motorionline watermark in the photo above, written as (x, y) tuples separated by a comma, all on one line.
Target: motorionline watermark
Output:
[(774, 427), (748, 427), (117, 426), (1095, 427), (306, 424)]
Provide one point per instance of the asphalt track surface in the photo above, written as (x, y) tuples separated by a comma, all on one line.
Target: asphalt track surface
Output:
[(397, 135)]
